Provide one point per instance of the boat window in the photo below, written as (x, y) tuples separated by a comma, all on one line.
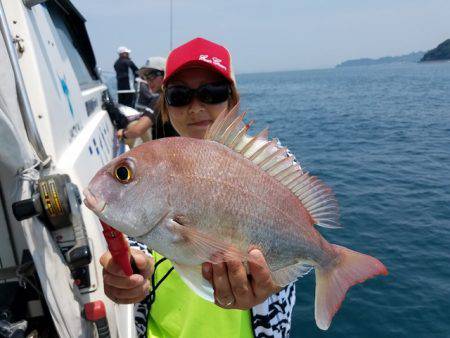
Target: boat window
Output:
[(72, 45)]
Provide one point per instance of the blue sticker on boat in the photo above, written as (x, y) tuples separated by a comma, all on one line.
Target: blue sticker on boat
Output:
[(66, 91)]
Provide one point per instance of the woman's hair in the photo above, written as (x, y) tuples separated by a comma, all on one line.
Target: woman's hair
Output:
[(164, 108)]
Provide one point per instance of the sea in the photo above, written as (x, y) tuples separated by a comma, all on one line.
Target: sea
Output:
[(380, 137)]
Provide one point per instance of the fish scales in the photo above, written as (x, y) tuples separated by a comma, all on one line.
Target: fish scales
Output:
[(243, 197)]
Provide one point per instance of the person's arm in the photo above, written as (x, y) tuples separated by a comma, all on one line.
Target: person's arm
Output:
[(145, 92), (273, 317), (134, 68), (234, 289), (136, 129)]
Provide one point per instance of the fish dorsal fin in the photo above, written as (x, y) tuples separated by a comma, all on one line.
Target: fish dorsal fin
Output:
[(318, 199), (230, 130)]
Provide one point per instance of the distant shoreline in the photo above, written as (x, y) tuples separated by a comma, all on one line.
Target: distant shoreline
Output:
[(433, 61), (110, 75), (408, 58), (440, 53)]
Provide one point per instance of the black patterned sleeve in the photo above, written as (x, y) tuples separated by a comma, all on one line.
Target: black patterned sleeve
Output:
[(141, 309), (272, 318)]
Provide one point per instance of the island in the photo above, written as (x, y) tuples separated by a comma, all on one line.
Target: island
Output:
[(440, 53), (408, 58)]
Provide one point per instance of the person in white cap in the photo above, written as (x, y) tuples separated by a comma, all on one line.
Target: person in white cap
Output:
[(153, 73), (126, 72), (149, 82)]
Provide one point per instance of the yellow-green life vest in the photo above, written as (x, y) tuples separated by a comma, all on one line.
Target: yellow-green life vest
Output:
[(179, 312)]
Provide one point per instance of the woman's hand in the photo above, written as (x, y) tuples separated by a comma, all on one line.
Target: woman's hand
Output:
[(124, 289), (120, 134), (234, 289)]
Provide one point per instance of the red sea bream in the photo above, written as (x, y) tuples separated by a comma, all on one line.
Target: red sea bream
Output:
[(217, 198)]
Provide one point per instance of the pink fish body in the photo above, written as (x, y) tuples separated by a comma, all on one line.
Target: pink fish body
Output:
[(215, 199)]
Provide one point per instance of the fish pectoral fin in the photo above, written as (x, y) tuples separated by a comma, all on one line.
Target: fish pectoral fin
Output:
[(192, 276), (204, 246), (290, 273)]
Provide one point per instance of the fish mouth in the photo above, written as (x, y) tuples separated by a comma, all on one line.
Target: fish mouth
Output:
[(93, 203)]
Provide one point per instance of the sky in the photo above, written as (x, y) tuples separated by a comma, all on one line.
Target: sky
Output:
[(264, 35)]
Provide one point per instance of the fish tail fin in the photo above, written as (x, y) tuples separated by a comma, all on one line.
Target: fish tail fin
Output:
[(332, 283)]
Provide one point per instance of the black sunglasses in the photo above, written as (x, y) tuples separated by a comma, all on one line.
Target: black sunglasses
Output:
[(210, 93), (151, 75)]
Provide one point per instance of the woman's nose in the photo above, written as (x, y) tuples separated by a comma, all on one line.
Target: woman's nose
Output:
[(195, 106)]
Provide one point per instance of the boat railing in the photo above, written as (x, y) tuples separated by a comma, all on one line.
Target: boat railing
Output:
[(24, 102)]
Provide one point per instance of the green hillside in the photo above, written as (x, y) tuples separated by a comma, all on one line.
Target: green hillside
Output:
[(440, 53)]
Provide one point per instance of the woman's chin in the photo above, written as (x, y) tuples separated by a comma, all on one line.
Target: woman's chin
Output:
[(197, 134), (198, 131)]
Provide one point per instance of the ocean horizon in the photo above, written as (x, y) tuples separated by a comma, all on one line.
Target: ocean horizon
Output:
[(110, 73)]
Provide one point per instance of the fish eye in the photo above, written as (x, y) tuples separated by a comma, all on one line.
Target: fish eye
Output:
[(123, 173)]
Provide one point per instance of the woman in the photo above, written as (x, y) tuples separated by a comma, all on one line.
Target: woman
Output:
[(198, 85)]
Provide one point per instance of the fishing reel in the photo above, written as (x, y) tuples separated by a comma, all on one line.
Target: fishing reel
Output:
[(57, 203)]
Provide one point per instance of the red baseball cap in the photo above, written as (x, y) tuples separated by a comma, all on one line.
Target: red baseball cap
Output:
[(200, 52)]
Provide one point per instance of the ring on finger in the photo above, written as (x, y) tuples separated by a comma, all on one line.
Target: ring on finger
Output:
[(231, 302), (226, 304)]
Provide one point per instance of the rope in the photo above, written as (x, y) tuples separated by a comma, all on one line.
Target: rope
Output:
[(154, 287), (32, 173)]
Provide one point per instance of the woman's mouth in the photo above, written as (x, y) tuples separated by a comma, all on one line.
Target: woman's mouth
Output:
[(201, 124)]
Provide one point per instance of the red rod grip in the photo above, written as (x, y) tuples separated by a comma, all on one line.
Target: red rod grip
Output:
[(95, 310), (119, 248)]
